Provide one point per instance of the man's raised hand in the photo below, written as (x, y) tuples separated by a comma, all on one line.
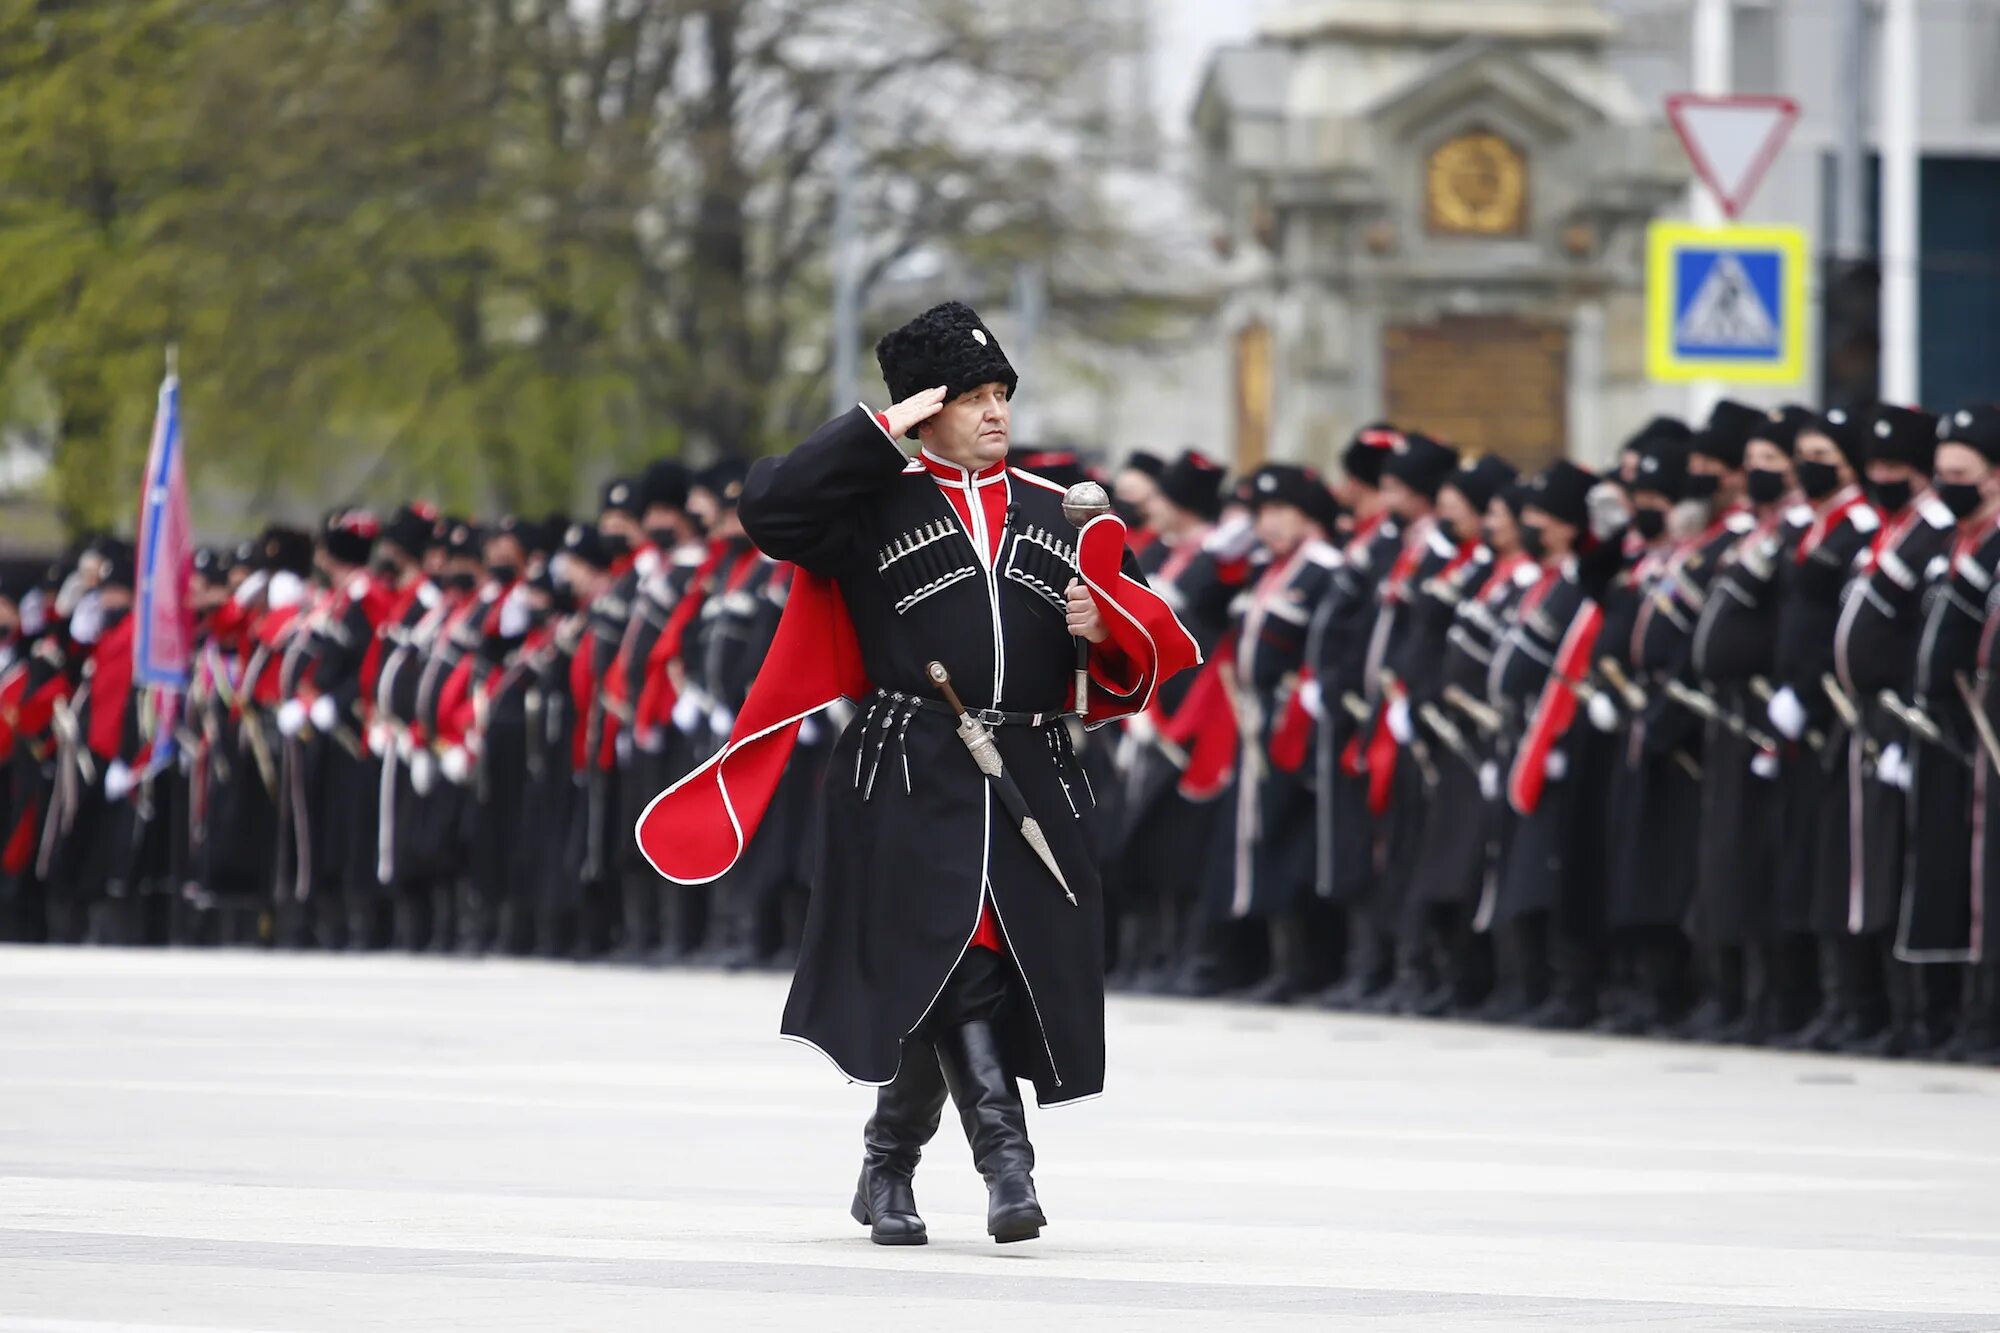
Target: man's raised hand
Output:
[(919, 407)]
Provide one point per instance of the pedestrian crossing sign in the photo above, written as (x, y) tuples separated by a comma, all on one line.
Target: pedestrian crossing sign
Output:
[(1725, 303)]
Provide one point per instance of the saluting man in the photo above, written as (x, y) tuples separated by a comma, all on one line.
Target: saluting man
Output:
[(944, 949)]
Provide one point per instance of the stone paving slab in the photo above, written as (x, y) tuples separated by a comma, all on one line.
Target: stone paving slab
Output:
[(238, 1141)]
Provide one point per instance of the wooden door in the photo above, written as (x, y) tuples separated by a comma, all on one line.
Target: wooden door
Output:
[(1488, 384)]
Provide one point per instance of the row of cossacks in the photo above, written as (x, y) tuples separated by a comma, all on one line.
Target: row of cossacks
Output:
[(1703, 746)]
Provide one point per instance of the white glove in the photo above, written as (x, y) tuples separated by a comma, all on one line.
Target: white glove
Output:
[(291, 718), (687, 713), (1489, 781), (1764, 764), (1399, 721), (515, 613), (1608, 512), (1787, 714), (406, 746), (622, 747), (1603, 713), (648, 739), (720, 720), (1890, 770), (380, 739), (456, 765), (1313, 699), (119, 780), (324, 714), (251, 588), (1143, 730), (809, 731), (423, 772), (1556, 767), (1233, 539)]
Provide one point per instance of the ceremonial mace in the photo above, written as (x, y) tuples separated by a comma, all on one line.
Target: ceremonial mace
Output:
[(1081, 503)]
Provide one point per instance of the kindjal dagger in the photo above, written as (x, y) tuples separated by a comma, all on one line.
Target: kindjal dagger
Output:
[(986, 754)]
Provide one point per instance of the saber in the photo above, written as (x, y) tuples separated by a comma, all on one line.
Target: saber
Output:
[(1634, 697), (1448, 732), (1850, 715), (1080, 504), (1918, 721), (1981, 723), (1704, 707), (986, 755), (1487, 719)]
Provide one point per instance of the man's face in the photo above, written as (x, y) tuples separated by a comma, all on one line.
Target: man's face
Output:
[(1157, 512), (1558, 537), (971, 429), (1137, 489), (701, 511), (1764, 456), (1814, 447), (1460, 519), (505, 552), (1281, 528), (1884, 472), (1962, 465), (1404, 502), (1502, 533), (618, 523)]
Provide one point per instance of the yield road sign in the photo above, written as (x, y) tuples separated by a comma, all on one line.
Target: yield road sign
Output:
[(1732, 140), (1725, 303)]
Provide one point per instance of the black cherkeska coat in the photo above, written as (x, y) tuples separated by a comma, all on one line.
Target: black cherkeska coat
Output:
[(905, 862)]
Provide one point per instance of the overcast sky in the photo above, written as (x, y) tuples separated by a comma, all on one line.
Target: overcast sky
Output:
[(1186, 31)]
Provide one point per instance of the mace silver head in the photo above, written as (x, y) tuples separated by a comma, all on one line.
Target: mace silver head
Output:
[(1085, 501)]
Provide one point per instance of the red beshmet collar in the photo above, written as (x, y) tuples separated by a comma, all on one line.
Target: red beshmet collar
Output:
[(951, 474)]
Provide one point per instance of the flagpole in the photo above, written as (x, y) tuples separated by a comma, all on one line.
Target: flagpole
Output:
[(1901, 204)]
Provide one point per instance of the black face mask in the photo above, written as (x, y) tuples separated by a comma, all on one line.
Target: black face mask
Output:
[(616, 544), (1650, 523), (504, 573), (1817, 480), (1764, 486), (461, 582), (1701, 486), (663, 537), (1532, 543), (1962, 498), (1891, 496)]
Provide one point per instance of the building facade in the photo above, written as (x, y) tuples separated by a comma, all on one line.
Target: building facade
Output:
[(1434, 211)]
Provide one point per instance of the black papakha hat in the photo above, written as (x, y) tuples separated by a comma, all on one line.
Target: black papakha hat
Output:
[(1194, 482), (1421, 463), (1480, 479), (1905, 435), (1560, 491), (1301, 488), (948, 344)]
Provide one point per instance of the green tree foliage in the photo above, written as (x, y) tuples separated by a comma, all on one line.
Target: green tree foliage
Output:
[(490, 249)]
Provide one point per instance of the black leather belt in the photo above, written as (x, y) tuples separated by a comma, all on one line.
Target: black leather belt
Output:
[(992, 717)]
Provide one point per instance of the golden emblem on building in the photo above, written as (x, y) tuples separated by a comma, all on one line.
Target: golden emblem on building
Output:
[(1477, 184)]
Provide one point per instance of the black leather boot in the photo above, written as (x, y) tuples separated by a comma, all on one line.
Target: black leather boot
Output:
[(907, 1111), (996, 1126)]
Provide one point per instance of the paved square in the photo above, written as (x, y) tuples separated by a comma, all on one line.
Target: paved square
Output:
[(247, 1141)]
